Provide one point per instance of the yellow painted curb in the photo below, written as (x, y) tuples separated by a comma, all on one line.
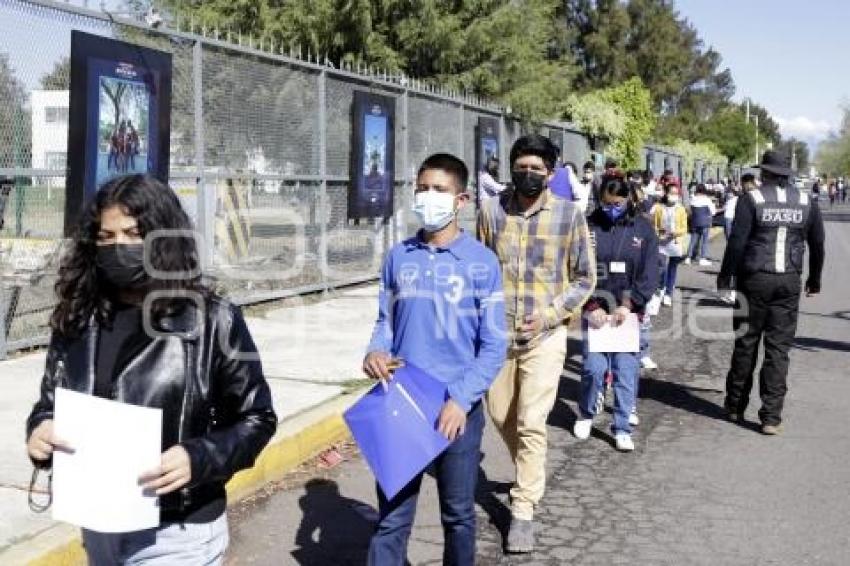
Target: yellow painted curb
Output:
[(280, 457), (297, 440)]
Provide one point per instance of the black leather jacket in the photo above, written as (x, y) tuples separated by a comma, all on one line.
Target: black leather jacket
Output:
[(203, 371)]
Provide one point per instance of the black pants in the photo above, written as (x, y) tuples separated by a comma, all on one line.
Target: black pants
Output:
[(773, 301)]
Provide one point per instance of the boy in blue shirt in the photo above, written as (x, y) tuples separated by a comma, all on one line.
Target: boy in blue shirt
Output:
[(441, 308)]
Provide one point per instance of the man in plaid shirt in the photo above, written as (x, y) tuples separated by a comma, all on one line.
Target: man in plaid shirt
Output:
[(548, 272)]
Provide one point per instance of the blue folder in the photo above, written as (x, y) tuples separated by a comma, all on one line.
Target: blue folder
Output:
[(396, 427)]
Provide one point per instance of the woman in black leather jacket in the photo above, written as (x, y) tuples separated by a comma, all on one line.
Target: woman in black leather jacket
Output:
[(150, 333)]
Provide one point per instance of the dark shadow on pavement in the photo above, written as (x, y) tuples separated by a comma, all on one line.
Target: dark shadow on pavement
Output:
[(845, 315), (713, 303), (812, 344), (562, 415), (334, 529), (680, 396), (485, 497), (835, 216)]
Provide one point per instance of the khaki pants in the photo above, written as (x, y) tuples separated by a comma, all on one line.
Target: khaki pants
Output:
[(519, 402)]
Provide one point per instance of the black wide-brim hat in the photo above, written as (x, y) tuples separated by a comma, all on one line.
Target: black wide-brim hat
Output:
[(777, 163)]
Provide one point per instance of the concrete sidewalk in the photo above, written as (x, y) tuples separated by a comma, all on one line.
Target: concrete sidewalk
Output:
[(311, 354)]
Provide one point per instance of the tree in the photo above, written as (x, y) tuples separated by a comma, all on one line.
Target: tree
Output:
[(833, 157), (15, 128), (614, 41), (115, 94), (768, 128), (58, 78), (729, 131), (798, 150), (635, 101), (600, 41), (508, 51)]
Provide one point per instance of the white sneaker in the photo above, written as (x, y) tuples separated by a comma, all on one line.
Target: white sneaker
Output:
[(667, 301), (687, 261), (581, 429), (647, 363), (634, 419), (654, 304), (705, 262), (624, 442)]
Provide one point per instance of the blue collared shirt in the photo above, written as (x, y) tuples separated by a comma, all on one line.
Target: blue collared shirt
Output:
[(442, 309), (560, 183)]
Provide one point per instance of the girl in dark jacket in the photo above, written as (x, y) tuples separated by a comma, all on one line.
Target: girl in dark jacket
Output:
[(627, 273), (135, 324)]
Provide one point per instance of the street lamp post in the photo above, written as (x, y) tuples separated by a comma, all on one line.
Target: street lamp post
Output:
[(757, 138)]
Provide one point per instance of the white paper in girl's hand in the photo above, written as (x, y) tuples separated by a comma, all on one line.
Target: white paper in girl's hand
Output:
[(611, 339), (97, 486)]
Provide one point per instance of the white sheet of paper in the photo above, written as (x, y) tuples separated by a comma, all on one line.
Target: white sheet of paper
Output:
[(97, 486), (611, 339)]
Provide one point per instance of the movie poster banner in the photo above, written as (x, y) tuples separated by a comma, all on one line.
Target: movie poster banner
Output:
[(372, 157), (487, 144), (119, 117)]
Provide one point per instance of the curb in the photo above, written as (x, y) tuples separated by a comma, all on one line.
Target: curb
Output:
[(296, 440)]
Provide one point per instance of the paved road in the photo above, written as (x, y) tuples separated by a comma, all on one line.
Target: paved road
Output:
[(698, 490)]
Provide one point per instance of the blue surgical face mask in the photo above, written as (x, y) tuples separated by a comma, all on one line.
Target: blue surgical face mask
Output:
[(434, 209), (614, 211)]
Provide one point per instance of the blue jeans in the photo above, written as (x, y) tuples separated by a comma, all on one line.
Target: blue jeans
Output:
[(668, 273), (456, 472), (181, 544), (698, 235), (645, 327), (626, 367)]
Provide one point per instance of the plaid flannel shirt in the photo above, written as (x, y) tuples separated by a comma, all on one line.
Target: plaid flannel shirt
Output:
[(546, 257)]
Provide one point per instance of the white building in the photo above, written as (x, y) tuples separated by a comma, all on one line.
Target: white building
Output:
[(50, 134)]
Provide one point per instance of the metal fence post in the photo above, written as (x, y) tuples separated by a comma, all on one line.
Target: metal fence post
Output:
[(204, 199), (5, 312), (460, 130), (405, 162), (503, 147), (322, 216)]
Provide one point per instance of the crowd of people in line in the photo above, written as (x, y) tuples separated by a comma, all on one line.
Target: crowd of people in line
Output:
[(835, 189), (485, 313)]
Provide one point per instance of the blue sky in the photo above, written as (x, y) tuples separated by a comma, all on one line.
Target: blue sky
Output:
[(790, 56)]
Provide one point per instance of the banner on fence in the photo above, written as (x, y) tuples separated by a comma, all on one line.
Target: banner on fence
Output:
[(119, 117), (373, 157), (487, 146)]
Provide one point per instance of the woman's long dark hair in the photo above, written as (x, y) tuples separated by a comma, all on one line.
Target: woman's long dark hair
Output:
[(82, 294), (617, 186)]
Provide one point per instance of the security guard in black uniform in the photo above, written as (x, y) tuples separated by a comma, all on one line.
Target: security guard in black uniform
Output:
[(764, 258)]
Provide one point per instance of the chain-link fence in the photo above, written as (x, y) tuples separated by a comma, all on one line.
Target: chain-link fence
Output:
[(260, 156)]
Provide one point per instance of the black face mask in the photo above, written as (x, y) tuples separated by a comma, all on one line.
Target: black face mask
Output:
[(122, 265), (528, 183)]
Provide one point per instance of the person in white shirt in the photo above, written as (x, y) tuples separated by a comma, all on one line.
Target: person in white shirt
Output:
[(584, 187), (488, 186), (729, 212), (702, 213)]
